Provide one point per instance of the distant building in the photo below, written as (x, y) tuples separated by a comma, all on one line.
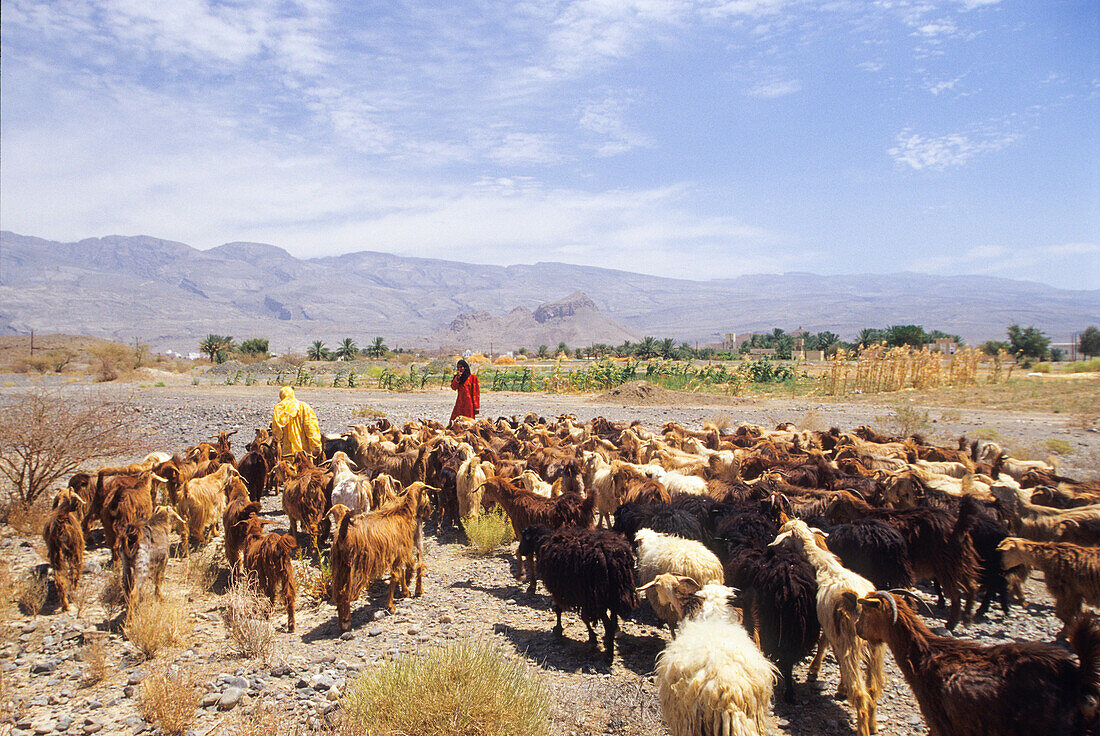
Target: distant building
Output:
[(944, 345), (758, 352)]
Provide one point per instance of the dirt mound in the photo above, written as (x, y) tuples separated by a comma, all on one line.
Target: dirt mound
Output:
[(644, 393)]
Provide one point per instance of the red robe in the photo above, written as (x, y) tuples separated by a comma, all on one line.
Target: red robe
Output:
[(468, 401)]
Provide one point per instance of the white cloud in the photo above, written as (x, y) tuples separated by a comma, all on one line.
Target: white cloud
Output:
[(770, 90), (605, 119), (523, 148), (947, 151)]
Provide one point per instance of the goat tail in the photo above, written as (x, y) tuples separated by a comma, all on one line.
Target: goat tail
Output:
[(1085, 641), (288, 543)]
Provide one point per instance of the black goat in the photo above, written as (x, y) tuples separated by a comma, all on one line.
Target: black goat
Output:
[(590, 570)]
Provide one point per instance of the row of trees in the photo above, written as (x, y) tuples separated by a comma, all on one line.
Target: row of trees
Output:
[(218, 348), (347, 350)]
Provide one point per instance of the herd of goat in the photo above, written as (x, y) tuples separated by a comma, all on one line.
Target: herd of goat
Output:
[(754, 546)]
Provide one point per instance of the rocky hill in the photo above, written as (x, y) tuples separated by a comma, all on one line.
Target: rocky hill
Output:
[(169, 294)]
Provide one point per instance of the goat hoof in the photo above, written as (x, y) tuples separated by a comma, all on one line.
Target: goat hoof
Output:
[(558, 631)]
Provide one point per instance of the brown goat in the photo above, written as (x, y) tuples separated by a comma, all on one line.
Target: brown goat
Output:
[(126, 499), (64, 539), (268, 557), (1072, 573), (144, 550), (305, 501), (203, 500), (368, 546), (240, 508)]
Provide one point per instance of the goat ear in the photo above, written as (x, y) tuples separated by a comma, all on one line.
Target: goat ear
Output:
[(780, 539), (848, 601), (647, 586)]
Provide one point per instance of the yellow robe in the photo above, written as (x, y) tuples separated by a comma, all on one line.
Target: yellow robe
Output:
[(295, 425)]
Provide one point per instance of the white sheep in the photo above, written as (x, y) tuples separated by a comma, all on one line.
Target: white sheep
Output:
[(676, 482), (837, 614), (712, 679), (665, 553)]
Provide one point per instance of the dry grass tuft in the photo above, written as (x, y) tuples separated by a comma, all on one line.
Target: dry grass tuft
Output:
[(170, 697), (1058, 446), (30, 594), (247, 614), (811, 421), (29, 519), (94, 655), (153, 625), (201, 569), (264, 720), (111, 595), (905, 421), (721, 421), (488, 531), (8, 589), (463, 689)]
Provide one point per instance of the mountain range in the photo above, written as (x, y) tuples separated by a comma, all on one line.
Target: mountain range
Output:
[(170, 295)]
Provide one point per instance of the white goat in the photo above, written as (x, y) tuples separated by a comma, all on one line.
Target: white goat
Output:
[(664, 553), (348, 488), (712, 679), (837, 613)]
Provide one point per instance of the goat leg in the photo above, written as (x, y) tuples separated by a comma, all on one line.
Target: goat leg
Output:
[(815, 664), (558, 630)]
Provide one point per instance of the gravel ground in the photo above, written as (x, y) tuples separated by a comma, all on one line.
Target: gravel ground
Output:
[(465, 595)]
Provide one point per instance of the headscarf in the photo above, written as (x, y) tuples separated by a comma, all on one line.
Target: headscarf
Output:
[(286, 409), (464, 364)]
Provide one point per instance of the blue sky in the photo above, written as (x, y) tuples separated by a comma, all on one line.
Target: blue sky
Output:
[(692, 139)]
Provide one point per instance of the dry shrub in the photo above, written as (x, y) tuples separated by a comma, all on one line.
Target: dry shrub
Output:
[(29, 519), (111, 595), (8, 589), (1058, 446), (811, 421), (463, 689), (247, 614), (905, 421), (170, 697), (30, 594), (94, 655), (154, 625), (201, 569), (488, 531), (45, 436), (367, 412), (721, 421), (112, 360)]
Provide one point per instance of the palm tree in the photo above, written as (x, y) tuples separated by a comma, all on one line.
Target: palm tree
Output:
[(377, 348), (666, 348), (647, 348), (213, 344), (347, 350), (317, 351)]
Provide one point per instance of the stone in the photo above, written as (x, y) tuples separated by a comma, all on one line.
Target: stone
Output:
[(211, 699), (374, 631), (230, 698), (234, 681), (136, 677), (63, 723), (347, 636), (43, 666), (322, 682), (280, 670), (44, 728), (92, 725)]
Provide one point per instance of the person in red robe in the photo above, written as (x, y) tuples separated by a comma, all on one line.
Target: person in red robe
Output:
[(468, 401)]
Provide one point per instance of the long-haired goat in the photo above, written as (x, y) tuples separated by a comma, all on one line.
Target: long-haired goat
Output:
[(1072, 573), (64, 537)]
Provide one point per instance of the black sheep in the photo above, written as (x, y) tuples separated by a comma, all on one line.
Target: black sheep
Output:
[(589, 570), (874, 549), (986, 532), (778, 593), (631, 516), (741, 528)]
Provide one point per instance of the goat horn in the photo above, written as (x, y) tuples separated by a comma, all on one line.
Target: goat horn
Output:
[(887, 595), (158, 478), (854, 492)]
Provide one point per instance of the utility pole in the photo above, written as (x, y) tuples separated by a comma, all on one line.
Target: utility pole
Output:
[(32, 342)]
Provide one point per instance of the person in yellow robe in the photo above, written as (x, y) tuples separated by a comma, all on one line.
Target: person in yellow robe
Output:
[(295, 425)]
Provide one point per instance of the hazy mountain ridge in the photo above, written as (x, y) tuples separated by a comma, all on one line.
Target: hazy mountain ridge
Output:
[(169, 294)]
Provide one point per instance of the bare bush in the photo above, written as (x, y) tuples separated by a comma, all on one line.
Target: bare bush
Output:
[(45, 436), (201, 569), (154, 625), (28, 519), (170, 697), (30, 594), (111, 360), (247, 620), (111, 596), (94, 655)]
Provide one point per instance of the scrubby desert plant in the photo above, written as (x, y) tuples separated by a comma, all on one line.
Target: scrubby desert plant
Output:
[(247, 620), (170, 698), (45, 436), (30, 594), (154, 625), (463, 689), (904, 421), (111, 595), (488, 531), (94, 655), (202, 569)]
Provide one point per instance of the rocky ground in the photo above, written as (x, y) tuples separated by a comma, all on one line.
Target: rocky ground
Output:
[(44, 659)]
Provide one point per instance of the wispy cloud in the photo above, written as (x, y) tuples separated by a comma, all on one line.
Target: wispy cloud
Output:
[(771, 90), (947, 151)]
